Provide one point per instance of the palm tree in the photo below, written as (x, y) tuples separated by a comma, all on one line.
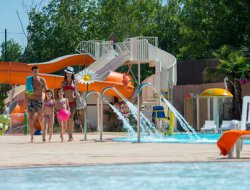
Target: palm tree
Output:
[(233, 65)]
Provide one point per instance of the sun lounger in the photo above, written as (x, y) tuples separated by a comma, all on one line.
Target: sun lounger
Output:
[(226, 125), (245, 124), (243, 129), (229, 139), (209, 126)]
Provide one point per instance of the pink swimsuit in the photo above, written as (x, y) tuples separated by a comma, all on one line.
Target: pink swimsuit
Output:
[(48, 104)]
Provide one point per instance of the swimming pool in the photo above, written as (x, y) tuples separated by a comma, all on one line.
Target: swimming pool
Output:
[(172, 176), (177, 138)]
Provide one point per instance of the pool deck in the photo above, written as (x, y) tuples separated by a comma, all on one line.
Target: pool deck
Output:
[(16, 151)]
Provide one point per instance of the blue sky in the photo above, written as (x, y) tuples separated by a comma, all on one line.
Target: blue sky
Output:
[(9, 18)]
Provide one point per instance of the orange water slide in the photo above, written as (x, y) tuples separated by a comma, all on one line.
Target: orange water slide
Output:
[(50, 66), (53, 81), (15, 73)]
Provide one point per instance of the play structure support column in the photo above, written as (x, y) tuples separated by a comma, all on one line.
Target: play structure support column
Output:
[(11, 101), (198, 112), (86, 115), (98, 111), (208, 108), (216, 111), (170, 113), (101, 118)]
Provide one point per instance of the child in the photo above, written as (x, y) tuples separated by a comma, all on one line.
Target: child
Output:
[(62, 103), (48, 109)]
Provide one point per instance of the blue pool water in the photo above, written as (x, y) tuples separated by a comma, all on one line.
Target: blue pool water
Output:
[(177, 138), (173, 176)]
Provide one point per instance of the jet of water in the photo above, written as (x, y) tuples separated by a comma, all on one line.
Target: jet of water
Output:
[(126, 124), (147, 127), (184, 124)]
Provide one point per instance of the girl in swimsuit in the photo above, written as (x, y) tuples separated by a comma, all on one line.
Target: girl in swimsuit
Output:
[(48, 109), (69, 93), (62, 103)]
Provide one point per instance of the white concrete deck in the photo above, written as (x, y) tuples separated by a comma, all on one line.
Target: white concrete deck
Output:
[(16, 151)]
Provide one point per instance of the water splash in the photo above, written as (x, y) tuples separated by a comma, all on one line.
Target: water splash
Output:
[(147, 127), (126, 124), (184, 124)]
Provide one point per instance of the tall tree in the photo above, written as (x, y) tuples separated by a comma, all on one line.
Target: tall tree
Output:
[(190, 29), (14, 51), (168, 21), (207, 25), (57, 29)]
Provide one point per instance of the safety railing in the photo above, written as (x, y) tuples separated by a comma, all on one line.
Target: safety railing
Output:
[(95, 48), (137, 46), (151, 40), (91, 47)]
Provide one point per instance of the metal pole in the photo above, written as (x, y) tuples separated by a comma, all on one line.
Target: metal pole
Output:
[(138, 119), (5, 44), (139, 107)]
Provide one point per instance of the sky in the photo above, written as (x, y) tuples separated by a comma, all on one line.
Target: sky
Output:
[(9, 19)]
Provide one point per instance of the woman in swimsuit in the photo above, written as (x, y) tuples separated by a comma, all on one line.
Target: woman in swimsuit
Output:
[(62, 103), (69, 93), (48, 109)]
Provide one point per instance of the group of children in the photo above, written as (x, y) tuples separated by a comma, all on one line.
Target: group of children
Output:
[(49, 108)]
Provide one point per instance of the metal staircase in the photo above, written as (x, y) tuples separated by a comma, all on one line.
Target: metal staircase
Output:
[(107, 58), (145, 50), (135, 50)]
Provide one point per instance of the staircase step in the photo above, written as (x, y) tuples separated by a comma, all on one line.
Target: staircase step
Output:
[(149, 103), (152, 99)]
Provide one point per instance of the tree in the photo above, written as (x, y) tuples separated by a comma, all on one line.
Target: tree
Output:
[(207, 25), (60, 26), (57, 29), (14, 51), (232, 64)]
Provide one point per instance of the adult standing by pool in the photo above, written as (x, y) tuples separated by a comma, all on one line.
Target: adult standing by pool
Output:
[(68, 86), (33, 102)]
